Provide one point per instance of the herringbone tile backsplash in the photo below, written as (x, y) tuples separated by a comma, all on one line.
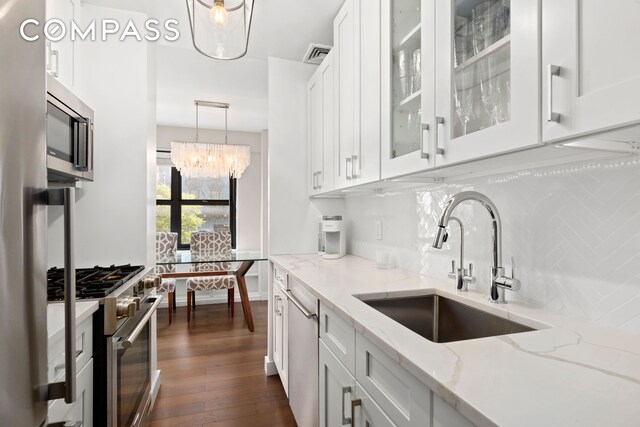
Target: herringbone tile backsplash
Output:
[(574, 234)]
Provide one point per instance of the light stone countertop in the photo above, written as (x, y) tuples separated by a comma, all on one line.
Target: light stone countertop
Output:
[(55, 317), (570, 372)]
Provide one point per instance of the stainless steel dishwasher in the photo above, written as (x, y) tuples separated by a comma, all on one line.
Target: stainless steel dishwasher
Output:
[(303, 354)]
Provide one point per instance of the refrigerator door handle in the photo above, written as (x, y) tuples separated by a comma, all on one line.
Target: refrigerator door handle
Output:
[(67, 389)]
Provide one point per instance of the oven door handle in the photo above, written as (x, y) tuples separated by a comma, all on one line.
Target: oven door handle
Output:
[(128, 341)]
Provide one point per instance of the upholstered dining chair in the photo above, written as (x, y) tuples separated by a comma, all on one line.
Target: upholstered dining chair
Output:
[(208, 245), (166, 249)]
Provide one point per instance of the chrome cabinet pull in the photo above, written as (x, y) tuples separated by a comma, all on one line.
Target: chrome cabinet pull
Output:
[(552, 70), (355, 166), (67, 389), (313, 182), (346, 420), (56, 55), (439, 121), (354, 403), (318, 180), (349, 168), (424, 154)]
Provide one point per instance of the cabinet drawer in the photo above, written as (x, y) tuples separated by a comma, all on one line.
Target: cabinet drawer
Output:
[(84, 351), (280, 277), (339, 336), (401, 396), (82, 409)]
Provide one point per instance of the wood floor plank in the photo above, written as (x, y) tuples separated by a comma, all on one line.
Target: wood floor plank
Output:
[(213, 371)]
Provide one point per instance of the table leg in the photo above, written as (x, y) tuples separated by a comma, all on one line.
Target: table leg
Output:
[(244, 295)]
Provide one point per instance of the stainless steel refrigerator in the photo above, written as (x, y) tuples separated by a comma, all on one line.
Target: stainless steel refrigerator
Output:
[(23, 219)]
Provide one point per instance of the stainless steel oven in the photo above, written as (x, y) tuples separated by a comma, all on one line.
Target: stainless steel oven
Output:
[(129, 368), (69, 135)]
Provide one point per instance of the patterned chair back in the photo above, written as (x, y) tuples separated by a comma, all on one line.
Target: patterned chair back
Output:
[(211, 244), (166, 250)]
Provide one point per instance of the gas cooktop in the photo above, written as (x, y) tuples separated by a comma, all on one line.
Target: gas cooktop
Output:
[(91, 283)]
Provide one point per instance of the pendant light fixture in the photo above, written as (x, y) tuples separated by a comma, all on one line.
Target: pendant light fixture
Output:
[(201, 160), (220, 28)]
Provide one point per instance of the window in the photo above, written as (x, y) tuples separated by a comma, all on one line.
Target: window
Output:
[(186, 205)]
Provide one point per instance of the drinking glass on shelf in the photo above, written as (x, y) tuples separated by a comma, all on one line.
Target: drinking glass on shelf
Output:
[(462, 41), (404, 66), (482, 26), (488, 89), (503, 85), (463, 96), (502, 18), (416, 71)]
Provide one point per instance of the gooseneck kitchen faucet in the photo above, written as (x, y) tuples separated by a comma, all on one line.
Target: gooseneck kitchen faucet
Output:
[(499, 282)]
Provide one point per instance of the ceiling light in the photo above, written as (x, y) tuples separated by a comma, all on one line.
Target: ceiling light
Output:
[(220, 28), (199, 160)]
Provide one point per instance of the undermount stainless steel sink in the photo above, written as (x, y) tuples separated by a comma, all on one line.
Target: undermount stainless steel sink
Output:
[(440, 319)]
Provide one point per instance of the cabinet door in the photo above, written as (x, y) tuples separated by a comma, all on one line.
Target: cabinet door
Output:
[(487, 70), (366, 152), (444, 415), (368, 413), (336, 389), (315, 114), (325, 174), (595, 44), (82, 409), (280, 336), (61, 55), (346, 42), (408, 84)]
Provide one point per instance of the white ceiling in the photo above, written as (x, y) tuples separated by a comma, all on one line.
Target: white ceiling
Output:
[(280, 28)]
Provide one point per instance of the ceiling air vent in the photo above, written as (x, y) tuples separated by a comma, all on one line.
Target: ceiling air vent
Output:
[(316, 53)]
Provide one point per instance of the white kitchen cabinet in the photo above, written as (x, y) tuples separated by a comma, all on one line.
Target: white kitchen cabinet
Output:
[(280, 335), (62, 55), (407, 92), (357, 93), (487, 82), (339, 336), (402, 397), (590, 66), (368, 413), (320, 109), (336, 389), (445, 415), (81, 411)]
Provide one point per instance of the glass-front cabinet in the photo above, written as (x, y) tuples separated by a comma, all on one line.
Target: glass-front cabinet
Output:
[(461, 83), (487, 74), (408, 72)]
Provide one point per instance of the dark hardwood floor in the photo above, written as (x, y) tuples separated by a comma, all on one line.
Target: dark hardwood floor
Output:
[(213, 371)]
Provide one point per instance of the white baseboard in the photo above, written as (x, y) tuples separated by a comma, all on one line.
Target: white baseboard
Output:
[(156, 381), (269, 367)]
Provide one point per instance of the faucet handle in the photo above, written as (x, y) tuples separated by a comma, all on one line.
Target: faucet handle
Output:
[(468, 275), (510, 283), (452, 274)]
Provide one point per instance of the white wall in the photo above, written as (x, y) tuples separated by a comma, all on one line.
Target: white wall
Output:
[(574, 233), (114, 210), (293, 217)]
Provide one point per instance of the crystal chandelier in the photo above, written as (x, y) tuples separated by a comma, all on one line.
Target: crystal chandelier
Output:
[(220, 28), (199, 160)]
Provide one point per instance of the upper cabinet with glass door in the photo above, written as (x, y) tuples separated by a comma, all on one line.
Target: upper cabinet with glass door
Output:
[(487, 74), (408, 61), (591, 66)]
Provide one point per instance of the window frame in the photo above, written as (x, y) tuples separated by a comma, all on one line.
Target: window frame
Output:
[(176, 203)]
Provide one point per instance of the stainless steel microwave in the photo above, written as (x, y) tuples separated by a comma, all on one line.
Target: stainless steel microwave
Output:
[(69, 135)]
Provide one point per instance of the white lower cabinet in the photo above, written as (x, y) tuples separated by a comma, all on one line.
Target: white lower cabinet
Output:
[(81, 411), (402, 397), (280, 335), (362, 386)]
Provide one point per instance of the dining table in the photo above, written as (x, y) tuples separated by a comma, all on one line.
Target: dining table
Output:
[(238, 262)]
